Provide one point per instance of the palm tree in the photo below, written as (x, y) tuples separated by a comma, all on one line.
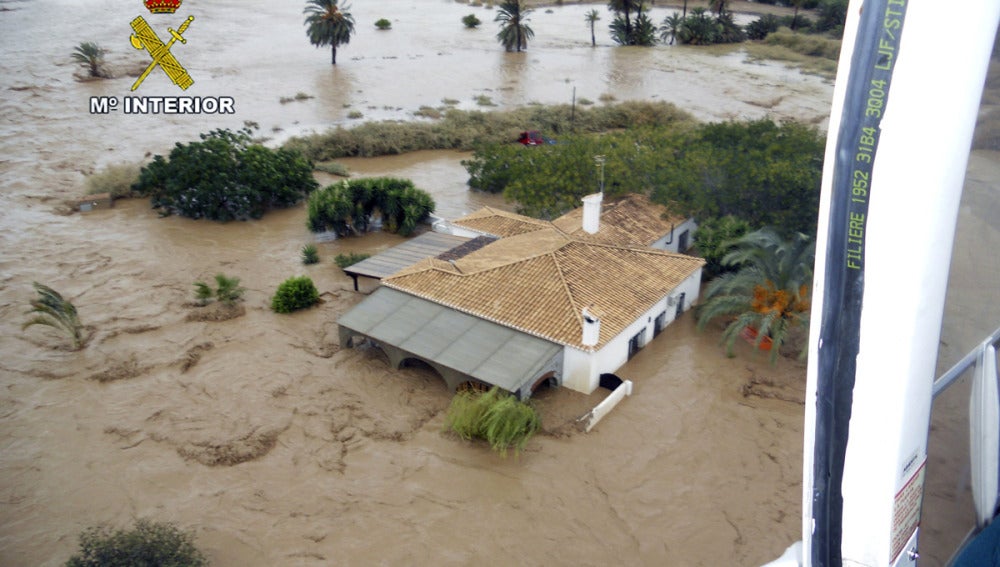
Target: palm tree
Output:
[(592, 17), (718, 6), (51, 310), (671, 27), (514, 32), (625, 8), (90, 55), (328, 25), (769, 292)]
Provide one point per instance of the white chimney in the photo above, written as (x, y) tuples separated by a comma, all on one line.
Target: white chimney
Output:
[(591, 328), (592, 213)]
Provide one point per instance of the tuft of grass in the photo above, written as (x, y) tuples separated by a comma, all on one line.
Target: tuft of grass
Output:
[(483, 100), (811, 53), (467, 129), (52, 310), (116, 179), (227, 290), (310, 254), (148, 543), (607, 98), (349, 259), (583, 101), (495, 416), (449, 101), (428, 112), (333, 168), (355, 114)]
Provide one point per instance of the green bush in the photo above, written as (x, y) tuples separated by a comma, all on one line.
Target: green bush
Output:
[(116, 179), (471, 21), (495, 416), (225, 177), (310, 255), (148, 544), (333, 168), (383, 24), (349, 259), (806, 44), (348, 207), (293, 294), (714, 238)]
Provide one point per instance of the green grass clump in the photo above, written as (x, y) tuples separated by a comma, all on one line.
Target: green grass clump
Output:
[(148, 543), (349, 259), (495, 416), (467, 129), (310, 254), (116, 179), (293, 294), (333, 168), (811, 53)]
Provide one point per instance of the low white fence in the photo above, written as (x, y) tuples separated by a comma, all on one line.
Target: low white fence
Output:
[(588, 421)]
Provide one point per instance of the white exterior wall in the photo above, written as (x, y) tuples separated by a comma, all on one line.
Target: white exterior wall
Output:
[(689, 225), (582, 370)]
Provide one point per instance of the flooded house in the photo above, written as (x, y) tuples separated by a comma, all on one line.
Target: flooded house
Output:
[(528, 302)]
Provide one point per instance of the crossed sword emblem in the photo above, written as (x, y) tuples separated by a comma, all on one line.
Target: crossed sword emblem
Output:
[(144, 36)]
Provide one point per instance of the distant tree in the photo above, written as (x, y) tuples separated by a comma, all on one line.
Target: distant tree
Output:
[(91, 56), (720, 7), (671, 27), (514, 30), (348, 207), (699, 28), (623, 15), (51, 310), (471, 21), (770, 291), (592, 17), (639, 30), (328, 25)]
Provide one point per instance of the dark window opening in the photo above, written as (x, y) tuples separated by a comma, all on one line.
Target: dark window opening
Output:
[(682, 241), (636, 343), (659, 324)]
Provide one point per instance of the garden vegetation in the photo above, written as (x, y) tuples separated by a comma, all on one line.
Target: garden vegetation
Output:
[(227, 291), (350, 207), (52, 310), (494, 416), (294, 294), (148, 544), (225, 177)]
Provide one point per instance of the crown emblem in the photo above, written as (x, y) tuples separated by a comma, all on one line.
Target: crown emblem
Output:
[(163, 6)]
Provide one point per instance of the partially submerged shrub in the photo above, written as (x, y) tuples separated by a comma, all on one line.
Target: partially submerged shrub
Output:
[(225, 177), (148, 544), (495, 416), (349, 259), (471, 21), (51, 310), (349, 207), (383, 24), (227, 290), (333, 168), (310, 255), (116, 179), (293, 294)]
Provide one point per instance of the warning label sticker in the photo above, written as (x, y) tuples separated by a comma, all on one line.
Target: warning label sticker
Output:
[(906, 511)]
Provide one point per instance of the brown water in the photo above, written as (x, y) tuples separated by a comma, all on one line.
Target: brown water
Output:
[(263, 437)]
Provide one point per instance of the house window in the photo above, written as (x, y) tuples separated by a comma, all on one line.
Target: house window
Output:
[(636, 342), (659, 324)]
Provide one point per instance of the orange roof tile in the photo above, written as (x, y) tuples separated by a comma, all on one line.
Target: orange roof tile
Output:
[(539, 282), (632, 220), (496, 222)]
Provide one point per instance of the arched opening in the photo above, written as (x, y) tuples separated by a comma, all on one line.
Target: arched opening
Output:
[(424, 369), (547, 380)]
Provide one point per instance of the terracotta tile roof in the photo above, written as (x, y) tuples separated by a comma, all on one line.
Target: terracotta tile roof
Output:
[(539, 283), (496, 222), (632, 220)]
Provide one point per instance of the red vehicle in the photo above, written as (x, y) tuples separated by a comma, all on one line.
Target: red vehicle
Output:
[(534, 138)]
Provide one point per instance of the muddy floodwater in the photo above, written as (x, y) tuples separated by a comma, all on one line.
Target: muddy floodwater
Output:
[(274, 446)]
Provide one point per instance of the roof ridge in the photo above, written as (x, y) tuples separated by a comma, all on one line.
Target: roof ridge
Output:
[(577, 312)]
